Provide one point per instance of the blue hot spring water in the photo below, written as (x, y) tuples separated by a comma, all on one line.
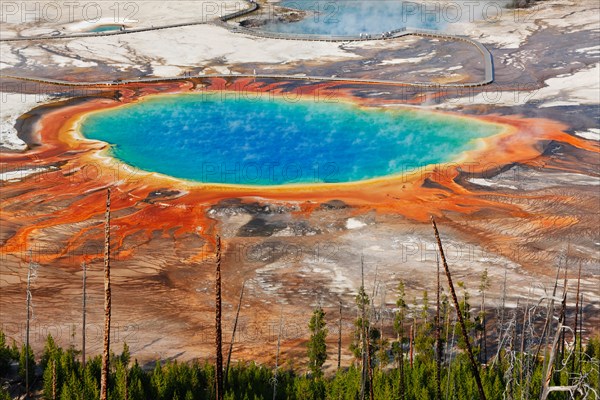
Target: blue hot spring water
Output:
[(105, 28), (273, 141)]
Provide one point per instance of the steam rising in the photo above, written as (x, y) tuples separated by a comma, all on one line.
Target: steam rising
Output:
[(353, 17)]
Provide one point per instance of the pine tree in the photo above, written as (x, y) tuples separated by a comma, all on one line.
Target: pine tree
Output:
[(91, 377), (49, 351), (158, 382), (125, 356), (425, 306), (5, 355), (52, 367), (317, 347), (121, 379), (137, 377), (465, 310), (189, 381), (122, 374), (14, 350)]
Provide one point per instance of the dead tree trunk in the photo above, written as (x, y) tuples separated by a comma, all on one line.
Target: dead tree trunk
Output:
[(548, 318), (339, 361), (576, 317), (401, 388), (237, 315), (449, 346), (218, 332), (83, 300), (513, 348), (546, 389), (411, 338), (369, 355), (28, 302), (484, 285), (277, 354), (563, 312), (580, 330), (400, 337), (381, 325), (500, 329), (438, 342), (363, 379), (369, 366), (522, 348), (484, 333), (107, 303), (459, 314)]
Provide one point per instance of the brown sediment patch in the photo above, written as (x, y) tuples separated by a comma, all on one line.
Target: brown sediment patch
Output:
[(74, 193)]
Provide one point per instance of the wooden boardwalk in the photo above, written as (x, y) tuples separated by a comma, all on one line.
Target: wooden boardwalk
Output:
[(485, 53)]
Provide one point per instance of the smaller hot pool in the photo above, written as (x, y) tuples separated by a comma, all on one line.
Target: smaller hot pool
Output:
[(106, 28)]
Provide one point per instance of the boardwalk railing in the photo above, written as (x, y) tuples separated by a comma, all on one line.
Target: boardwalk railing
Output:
[(253, 6)]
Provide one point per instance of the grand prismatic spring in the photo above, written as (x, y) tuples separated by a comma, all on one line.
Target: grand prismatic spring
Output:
[(264, 199), (264, 141)]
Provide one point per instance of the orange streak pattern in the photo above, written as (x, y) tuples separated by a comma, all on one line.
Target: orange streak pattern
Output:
[(74, 193)]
